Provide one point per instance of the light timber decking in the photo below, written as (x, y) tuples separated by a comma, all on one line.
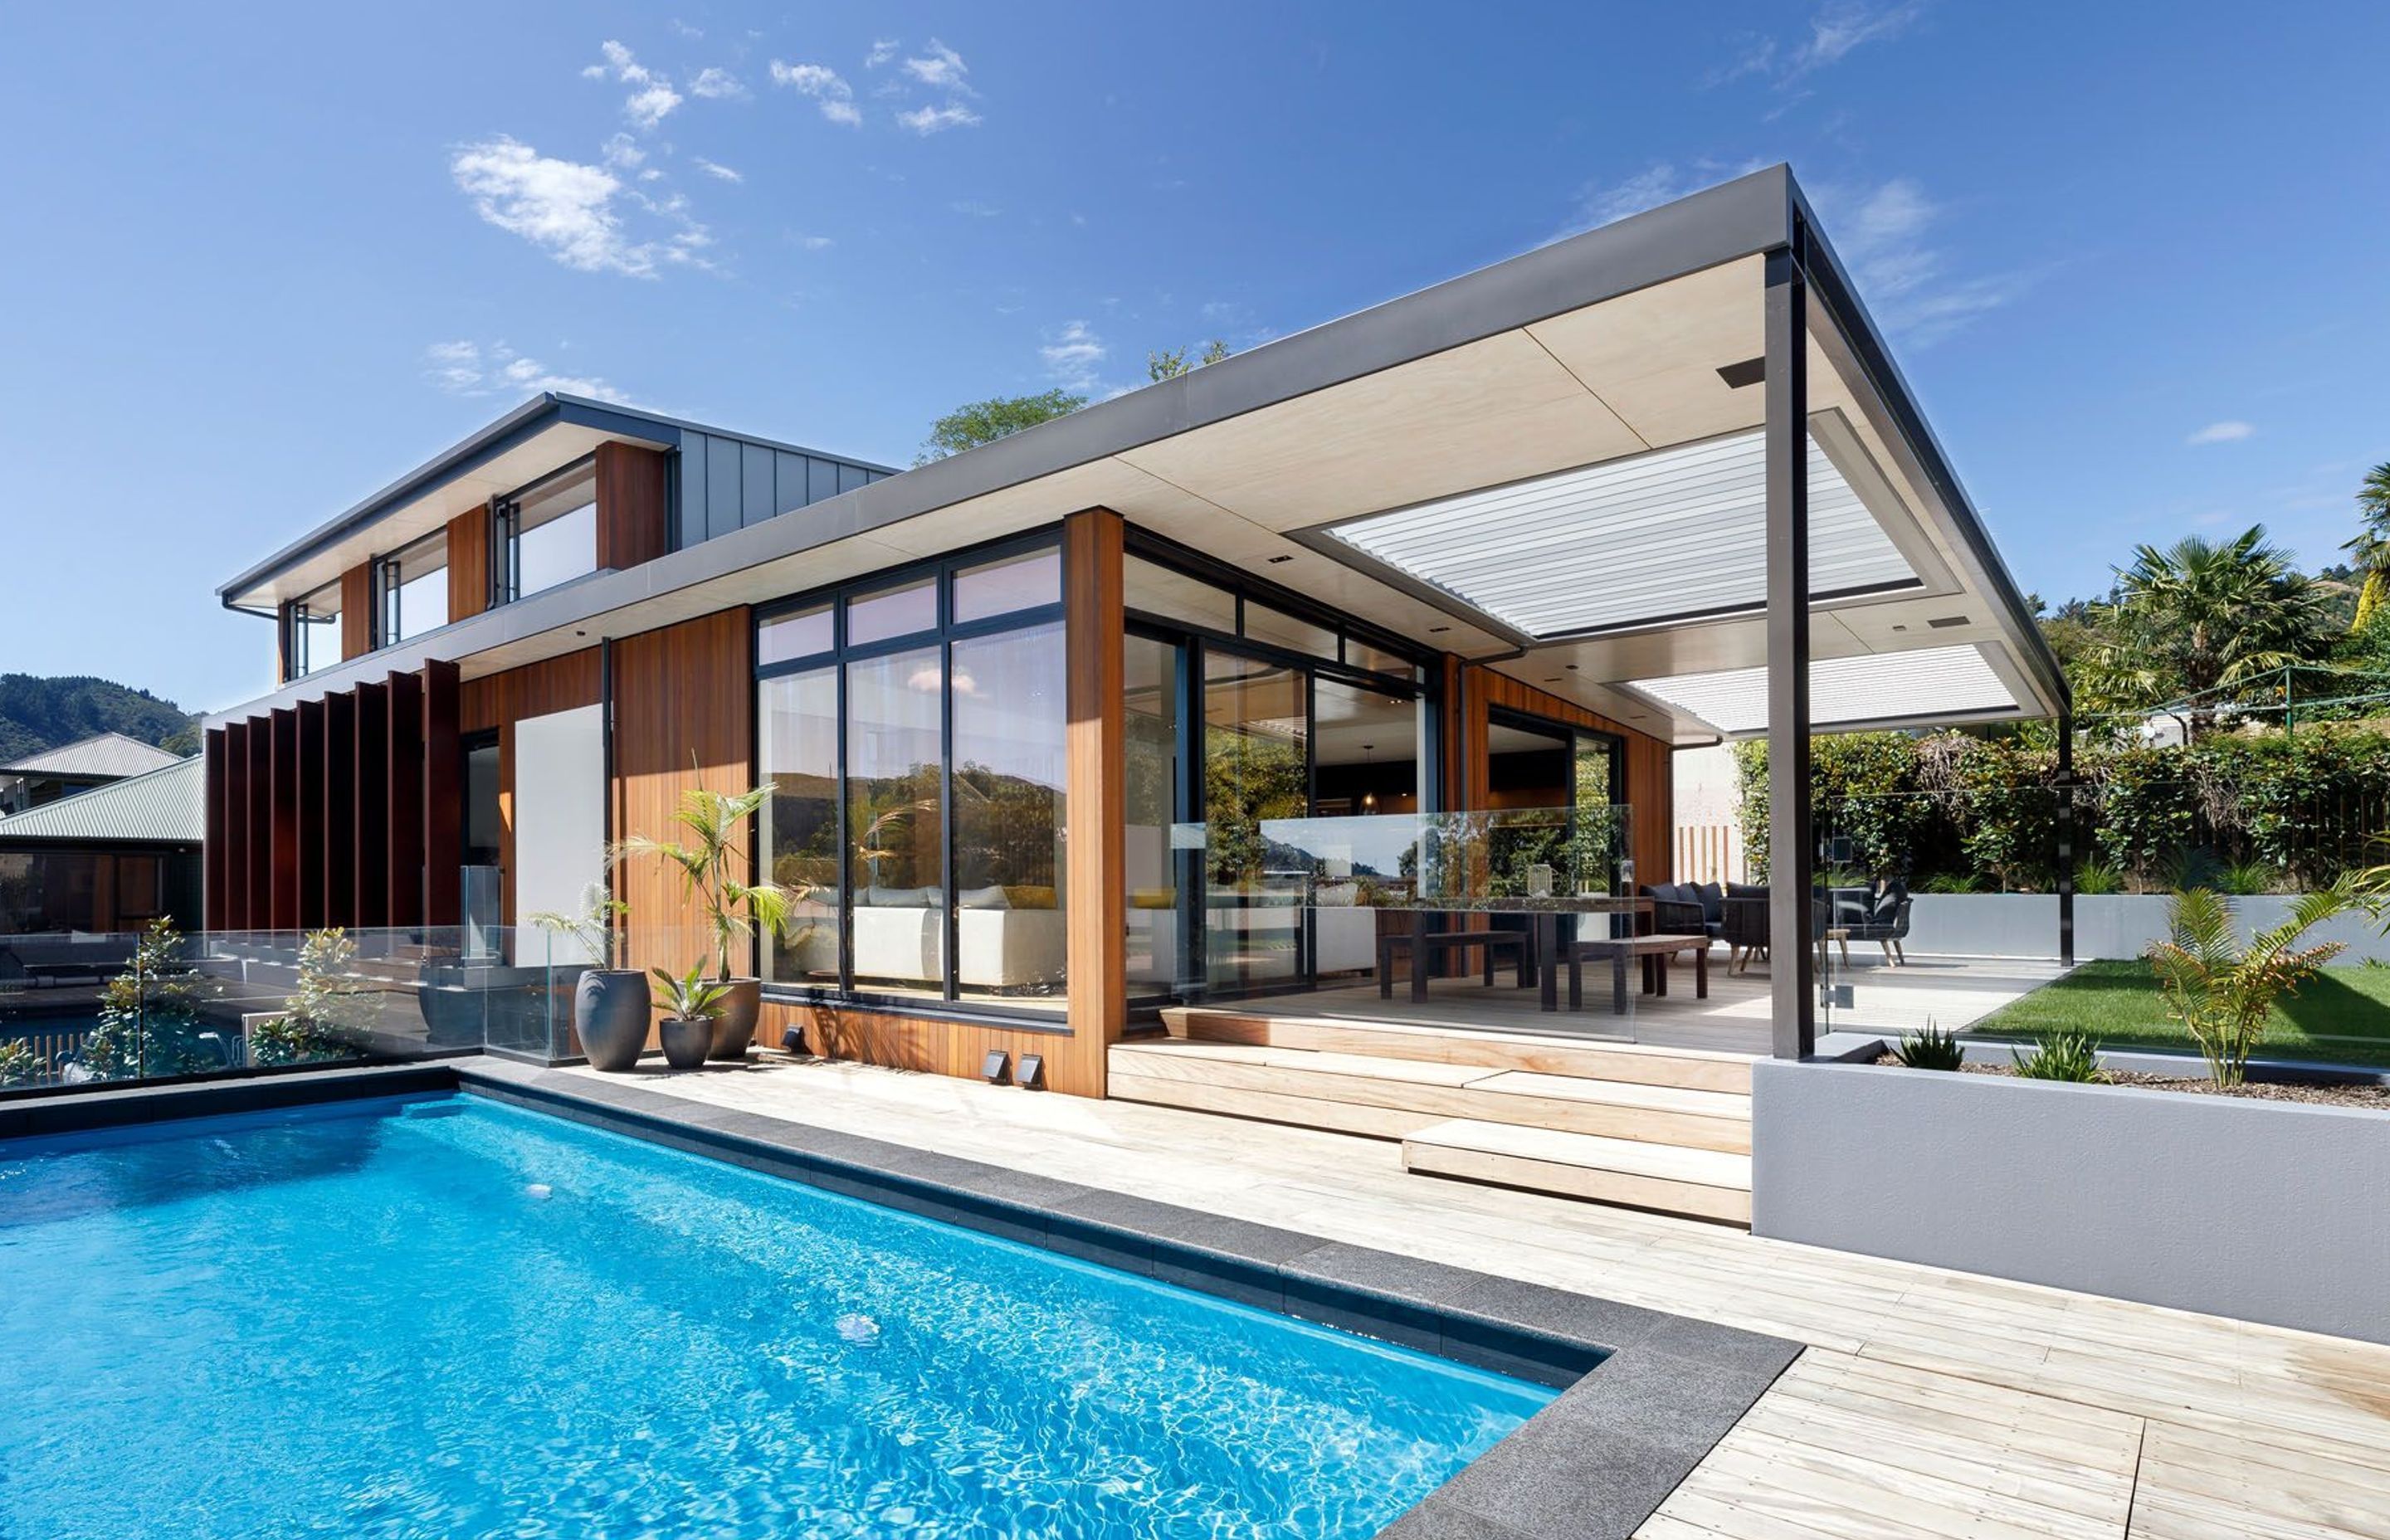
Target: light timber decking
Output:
[(1930, 1404)]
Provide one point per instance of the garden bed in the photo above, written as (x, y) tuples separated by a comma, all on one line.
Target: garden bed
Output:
[(2250, 1204), (2314, 1092)]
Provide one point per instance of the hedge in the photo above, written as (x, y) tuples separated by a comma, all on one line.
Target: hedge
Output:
[(2252, 812)]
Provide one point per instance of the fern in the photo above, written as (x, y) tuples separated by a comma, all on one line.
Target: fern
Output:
[(2221, 994)]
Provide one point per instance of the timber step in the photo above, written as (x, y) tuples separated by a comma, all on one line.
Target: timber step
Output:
[(1631, 1063), (1392, 1098), (1707, 1184)]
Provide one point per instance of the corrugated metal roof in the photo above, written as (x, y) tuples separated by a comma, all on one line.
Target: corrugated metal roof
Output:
[(168, 804), (103, 754)]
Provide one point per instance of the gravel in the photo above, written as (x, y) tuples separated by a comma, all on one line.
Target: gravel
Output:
[(2375, 1097)]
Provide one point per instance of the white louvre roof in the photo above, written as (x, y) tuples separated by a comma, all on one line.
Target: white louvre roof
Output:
[(1673, 533), (1947, 682)]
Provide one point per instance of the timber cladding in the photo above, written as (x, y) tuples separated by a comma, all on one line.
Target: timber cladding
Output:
[(1651, 763), (929, 1046), (684, 716)]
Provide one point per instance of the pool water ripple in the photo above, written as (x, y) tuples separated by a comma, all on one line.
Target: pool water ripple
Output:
[(451, 1317)]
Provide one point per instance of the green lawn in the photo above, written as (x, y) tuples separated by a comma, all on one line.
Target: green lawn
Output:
[(2340, 1017)]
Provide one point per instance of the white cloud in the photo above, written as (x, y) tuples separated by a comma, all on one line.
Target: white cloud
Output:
[(651, 106), (715, 168), (1834, 31), (974, 208), (2231, 431), (623, 152), (467, 368), (715, 84), (1883, 234), (926, 120), (1838, 29), (652, 100), (824, 85), (816, 243), (941, 67), (882, 50), (1072, 358), (576, 213), (564, 207)]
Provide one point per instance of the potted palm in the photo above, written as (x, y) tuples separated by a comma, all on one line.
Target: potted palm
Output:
[(609, 1004), (692, 1003), (735, 910)]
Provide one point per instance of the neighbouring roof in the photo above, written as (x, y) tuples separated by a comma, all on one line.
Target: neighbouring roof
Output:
[(163, 806), (111, 754)]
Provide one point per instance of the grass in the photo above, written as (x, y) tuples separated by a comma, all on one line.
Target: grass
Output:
[(2342, 1016)]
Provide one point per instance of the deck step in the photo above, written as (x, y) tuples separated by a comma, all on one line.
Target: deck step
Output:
[(1361, 1094), (1707, 1184), (1632, 1063)]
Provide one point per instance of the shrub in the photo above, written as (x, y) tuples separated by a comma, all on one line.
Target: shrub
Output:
[(151, 1015), (20, 1065), (2222, 994), (331, 1012), (2063, 1056), (2249, 876), (1930, 1050)]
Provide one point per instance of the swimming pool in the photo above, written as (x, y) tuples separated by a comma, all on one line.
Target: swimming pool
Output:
[(446, 1317)]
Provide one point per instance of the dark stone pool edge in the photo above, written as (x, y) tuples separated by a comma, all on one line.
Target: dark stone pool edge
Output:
[(1644, 1394)]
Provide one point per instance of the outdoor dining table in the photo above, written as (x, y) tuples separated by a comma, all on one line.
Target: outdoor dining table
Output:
[(1426, 916)]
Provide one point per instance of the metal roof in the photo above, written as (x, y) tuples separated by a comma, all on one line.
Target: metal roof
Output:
[(112, 754), (165, 806)]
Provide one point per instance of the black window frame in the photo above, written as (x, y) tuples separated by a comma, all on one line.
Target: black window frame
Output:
[(948, 1003), (505, 532)]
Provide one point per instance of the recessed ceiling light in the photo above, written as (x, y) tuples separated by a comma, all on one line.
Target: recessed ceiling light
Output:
[(1275, 559), (1944, 622), (1434, 630)]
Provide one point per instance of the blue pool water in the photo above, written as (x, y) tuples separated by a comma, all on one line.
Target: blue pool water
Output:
[(448, 1317)]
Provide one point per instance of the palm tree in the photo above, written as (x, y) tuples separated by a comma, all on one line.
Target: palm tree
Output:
[(2203, 615), (2370, 548)]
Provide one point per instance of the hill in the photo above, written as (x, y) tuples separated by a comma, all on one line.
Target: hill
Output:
[(38, 713)]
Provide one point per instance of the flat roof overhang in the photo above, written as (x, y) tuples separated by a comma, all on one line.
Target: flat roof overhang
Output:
[(1630, 343)]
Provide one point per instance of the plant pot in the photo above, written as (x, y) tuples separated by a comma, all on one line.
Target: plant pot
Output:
[(610, 1011), (686, 1040), (735, 1028)]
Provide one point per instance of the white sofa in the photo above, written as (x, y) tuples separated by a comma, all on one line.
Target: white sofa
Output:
[(901, 935)]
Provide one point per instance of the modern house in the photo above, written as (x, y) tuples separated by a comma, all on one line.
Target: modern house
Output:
[(1348, 662)]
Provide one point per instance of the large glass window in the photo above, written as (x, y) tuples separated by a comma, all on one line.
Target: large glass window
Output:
[(921, 785), (894, 803), (548, 533), (1256, 769), (414, 590), (801, 842), (1156, 948), (1009, 792), (315, 631)]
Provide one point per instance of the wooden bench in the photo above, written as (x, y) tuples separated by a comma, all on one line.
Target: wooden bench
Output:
[(1654, 951), (1420, 942)]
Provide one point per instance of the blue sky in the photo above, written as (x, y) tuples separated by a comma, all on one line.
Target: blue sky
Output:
[(2132, 258)]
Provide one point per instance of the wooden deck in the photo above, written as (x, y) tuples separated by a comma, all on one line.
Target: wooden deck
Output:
[(1950, 992), (1928, 1404)]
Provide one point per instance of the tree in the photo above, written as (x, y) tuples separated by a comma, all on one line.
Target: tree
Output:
[(152, 1020), (2202, 615), (978, 422), (2370, 547), (2223, 995), (1171, 362), (331, 1014)]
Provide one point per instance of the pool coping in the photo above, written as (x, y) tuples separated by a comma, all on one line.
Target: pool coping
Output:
[(1644, 1394)]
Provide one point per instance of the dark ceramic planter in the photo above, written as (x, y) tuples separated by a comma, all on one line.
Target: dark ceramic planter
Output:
[(735, 1028), (686, 1040), (610, 1011)]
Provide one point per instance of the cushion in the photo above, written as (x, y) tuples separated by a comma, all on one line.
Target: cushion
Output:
[(1746, 889), (1712, 900), (983, 898), (1888, 902), (1028, 895), (1153, 898)]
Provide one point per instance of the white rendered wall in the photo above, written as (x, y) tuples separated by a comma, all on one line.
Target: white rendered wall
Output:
[(560, 806)]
